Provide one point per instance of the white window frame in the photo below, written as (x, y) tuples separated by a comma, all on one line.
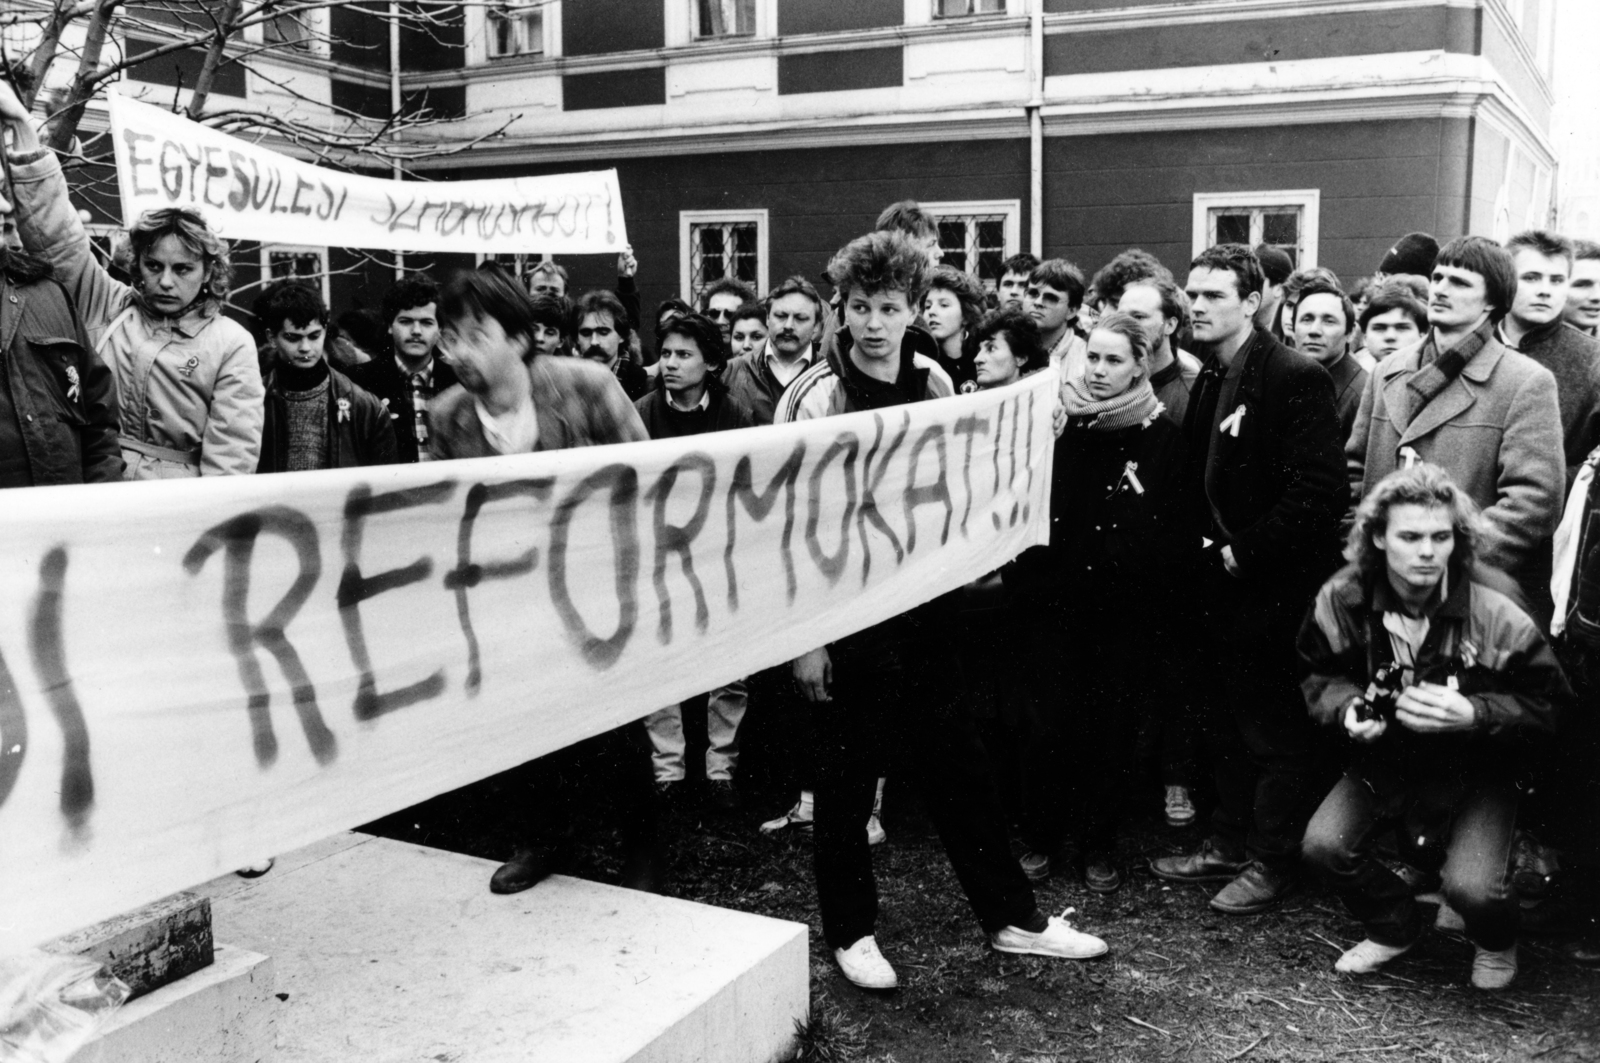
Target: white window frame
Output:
[(295, 249), (317, 23), (102, 231), (1011, 208), (476, 29), (1309, 200), (688, 219), (933, 12), (697, 35)]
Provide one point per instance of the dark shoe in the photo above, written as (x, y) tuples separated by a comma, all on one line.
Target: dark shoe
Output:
[(724, 796), (1207, 865), (527, 867), (1035, 865), (644, 869), (1584, 953), (1100, 875), (1255, 890)]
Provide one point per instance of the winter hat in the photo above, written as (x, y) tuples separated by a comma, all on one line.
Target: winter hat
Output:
[(1412, 253)]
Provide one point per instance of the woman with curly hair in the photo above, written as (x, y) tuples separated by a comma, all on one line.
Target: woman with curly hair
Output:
[(951, 309), (187, 378)]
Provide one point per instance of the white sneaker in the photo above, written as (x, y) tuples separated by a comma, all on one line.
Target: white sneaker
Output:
[(1056, 939), (1494, 970), (1180, 810), (799, 817), (865, 966), (875, 832), (1367, 956)]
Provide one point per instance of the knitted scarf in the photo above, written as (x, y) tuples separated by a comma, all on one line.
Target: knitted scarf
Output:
[(1135, 406), (1436, 371)]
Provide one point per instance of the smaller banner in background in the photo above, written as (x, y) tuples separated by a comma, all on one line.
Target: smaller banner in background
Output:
[(248, 192)]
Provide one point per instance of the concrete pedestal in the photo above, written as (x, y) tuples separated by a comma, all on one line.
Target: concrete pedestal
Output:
[(388, 951), (222, 1013)]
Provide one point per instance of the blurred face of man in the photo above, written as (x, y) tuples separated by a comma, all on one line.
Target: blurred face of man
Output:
[(415, 333), (547, 283), (1219, 312), (721, 308), (792, 324), (749, 336), (1389, 331), (1583, 294), (481, 352), (1049, 307), (930, 247), (683, 368), (598, 338), (300, 345), (1541, 287), (1417, 545), (1013, 288), (1320, 329), (1142, 302), (1457, 298), (877, 322)]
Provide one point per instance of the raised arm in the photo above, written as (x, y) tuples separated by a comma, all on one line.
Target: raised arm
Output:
[(49, 226)]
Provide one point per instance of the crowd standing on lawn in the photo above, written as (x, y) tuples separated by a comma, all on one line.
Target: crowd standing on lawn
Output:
[(1339, 544)]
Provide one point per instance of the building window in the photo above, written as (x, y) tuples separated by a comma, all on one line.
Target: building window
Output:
[(977, 238), (713, 244), (724, 18), (282, 261), (289, 29), (516, 27), (1285, 220), (966, 8)]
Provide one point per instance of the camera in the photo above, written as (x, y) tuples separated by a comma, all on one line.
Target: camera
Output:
[(1379, 701)]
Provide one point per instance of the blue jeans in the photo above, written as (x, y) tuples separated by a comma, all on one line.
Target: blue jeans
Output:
[(1464, 832)]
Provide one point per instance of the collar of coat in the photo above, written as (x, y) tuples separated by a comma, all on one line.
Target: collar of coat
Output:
[(1478, 369)]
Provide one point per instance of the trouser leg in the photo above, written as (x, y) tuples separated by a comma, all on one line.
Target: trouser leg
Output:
[(847, 733), (724, 710), (1043, 717), (947, 762), (1265, 775), (1338, 846), (1477, 878), (665, 728)]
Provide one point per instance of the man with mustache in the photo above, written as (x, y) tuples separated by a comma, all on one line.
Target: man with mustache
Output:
[(794, 323), (1464, 401), (603, 331), (1536, 327)]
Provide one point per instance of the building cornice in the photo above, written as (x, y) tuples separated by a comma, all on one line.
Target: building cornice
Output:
[(1077, 118)]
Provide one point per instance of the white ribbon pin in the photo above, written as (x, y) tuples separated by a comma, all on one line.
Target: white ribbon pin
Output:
[(1230, 424), (73, 389), (1131, 477), (1409, 457)]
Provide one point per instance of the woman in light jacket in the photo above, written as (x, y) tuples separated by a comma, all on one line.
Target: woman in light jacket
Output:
[(188, 382)]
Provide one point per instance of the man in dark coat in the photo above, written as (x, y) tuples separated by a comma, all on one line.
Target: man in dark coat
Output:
[(410, 376), (603, 331), (1535, 327), (1324, 325), (1267, 490), (58, 404), (315, 417)]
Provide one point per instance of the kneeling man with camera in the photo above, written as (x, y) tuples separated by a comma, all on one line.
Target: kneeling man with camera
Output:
[(1431, 664)]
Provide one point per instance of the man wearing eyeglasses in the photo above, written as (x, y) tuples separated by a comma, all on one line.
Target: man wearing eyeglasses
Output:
[(722, 299)]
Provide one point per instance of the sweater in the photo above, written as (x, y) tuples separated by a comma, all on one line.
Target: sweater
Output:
[(1573, 358)]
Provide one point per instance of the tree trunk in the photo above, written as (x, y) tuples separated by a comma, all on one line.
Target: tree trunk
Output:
[(214, 57), (45, 52), (64, 124)]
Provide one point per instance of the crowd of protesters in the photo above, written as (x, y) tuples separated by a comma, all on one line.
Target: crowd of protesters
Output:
[(1356, 527)]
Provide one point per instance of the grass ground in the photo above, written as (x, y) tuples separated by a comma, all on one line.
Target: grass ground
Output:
[(1181, 982)]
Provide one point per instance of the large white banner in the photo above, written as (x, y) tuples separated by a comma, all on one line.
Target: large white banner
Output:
[(198, 674), (250, 193)]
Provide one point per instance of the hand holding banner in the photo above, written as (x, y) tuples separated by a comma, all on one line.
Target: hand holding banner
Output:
[(250, 193)]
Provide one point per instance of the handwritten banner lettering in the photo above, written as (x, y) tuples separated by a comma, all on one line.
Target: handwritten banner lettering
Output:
[(248, 192), (198, 674)]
